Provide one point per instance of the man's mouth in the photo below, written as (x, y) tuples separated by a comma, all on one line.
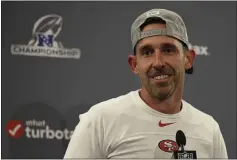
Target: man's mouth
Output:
[(160, 77)]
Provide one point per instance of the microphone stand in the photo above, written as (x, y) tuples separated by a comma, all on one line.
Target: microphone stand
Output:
[(182, 148)]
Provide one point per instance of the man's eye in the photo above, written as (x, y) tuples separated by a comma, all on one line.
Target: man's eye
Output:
[(147, 52), (168, 49)]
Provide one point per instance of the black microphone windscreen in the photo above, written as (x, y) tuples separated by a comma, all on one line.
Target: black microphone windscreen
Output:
[(180, 138)]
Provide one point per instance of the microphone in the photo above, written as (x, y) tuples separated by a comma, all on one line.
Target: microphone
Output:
[(181, 153), (180, 139)]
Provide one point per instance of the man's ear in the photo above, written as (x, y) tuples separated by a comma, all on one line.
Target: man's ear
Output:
[(132, 61), (189, 59)]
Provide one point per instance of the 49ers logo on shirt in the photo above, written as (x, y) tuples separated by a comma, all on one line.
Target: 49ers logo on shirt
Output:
[(168, 145)]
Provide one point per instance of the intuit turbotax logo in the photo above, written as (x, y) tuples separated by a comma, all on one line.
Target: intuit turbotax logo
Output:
[(43, 42), (36, 129)]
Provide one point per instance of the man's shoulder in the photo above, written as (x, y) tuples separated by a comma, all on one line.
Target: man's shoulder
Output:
[(114, 105), (198, 116)]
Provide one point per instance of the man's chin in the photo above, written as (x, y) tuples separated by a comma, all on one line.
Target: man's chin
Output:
[(162, 96), (161, 93)]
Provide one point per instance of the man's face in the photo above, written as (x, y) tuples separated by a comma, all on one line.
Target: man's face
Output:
[(160, 63)]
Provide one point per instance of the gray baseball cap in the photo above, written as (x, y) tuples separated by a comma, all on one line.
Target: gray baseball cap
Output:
[(175, 27)]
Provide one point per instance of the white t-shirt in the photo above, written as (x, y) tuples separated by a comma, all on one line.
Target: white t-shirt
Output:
[(125, 127)]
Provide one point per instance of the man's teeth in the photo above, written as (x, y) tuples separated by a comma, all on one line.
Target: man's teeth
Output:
[(161, 77)]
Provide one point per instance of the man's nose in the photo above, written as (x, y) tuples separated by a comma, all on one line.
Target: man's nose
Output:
[(158, 59)]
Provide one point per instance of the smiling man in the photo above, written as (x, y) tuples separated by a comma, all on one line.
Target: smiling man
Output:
[(144, 123)]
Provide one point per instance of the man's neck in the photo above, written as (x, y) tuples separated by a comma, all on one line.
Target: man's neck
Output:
[(171, 105)]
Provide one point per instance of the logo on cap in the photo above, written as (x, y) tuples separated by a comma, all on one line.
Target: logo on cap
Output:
[(152, 13)]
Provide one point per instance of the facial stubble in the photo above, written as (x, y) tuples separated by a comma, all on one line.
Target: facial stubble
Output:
[(159, 90)]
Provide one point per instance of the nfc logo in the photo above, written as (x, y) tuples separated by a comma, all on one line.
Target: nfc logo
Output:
[(44, 43), (45, 40)]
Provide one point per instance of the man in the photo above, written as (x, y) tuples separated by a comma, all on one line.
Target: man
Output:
[(143, 123)]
